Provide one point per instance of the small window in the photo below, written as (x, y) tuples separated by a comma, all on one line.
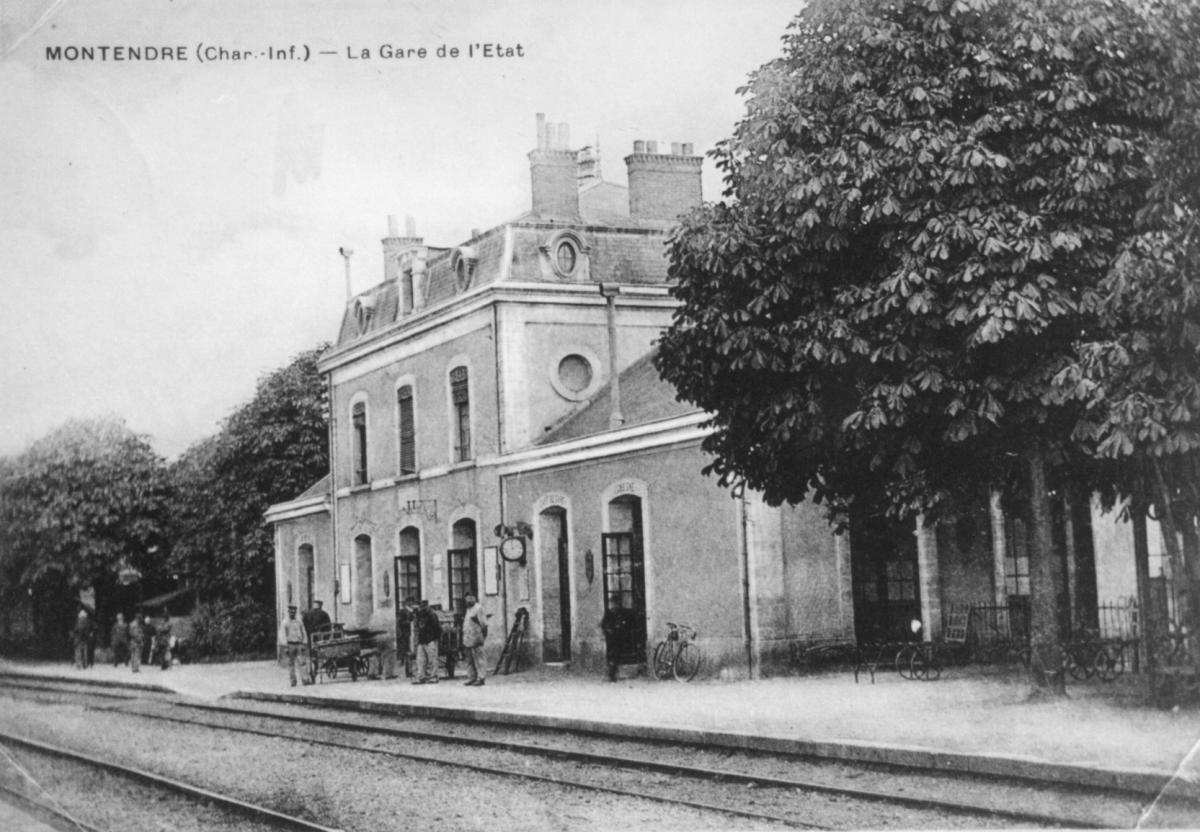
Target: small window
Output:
[(459, 397), (359, 422), (566, 258), (407, 430)]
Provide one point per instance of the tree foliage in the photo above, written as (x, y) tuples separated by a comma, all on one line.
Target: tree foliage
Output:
[(957, 251), (79, 503), (924, 199), (269, 450)]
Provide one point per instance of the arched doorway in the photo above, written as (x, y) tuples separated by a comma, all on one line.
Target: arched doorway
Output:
[(305, 573), (625, 570), (554, 566)]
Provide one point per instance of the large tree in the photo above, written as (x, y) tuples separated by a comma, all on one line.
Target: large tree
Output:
[(923, 200), (269, 450), (75, 507)]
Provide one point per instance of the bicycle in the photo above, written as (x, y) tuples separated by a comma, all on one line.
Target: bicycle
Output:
[(678, 654)]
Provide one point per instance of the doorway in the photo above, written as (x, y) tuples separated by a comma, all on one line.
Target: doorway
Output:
[(556, 585), (883, 560)]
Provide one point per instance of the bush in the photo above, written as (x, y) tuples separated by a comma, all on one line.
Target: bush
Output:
[(229, 629)]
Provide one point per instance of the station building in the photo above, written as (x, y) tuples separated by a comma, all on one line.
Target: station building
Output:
[(498, 428)]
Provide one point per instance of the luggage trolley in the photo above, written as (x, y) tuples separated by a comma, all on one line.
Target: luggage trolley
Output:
[(338, 650)]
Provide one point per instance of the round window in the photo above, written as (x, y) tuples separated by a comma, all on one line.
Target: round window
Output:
[(575, 373), (566, 257), (463, 273)]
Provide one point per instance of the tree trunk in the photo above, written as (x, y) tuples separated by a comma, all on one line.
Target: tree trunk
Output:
[(1173, 531), (1141, 559), (1046, 589)]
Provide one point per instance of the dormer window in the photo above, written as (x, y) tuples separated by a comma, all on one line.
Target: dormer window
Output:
[(566, 258), (364, 308), (567, 254), (462, 263)]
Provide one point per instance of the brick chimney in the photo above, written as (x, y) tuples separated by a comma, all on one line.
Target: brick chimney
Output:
[(553, 172), (662, 185), (394, 244)]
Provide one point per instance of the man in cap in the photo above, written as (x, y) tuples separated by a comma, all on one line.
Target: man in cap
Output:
[(315, 619), (291, 638), (474, 634)]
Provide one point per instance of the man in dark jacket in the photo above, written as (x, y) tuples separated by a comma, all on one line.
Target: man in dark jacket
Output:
[(616, 626), (118, 640), (429, 632)]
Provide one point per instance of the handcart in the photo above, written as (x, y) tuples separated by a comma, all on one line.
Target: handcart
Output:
[(338, 650)]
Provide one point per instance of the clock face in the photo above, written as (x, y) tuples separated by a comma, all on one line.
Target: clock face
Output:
[(512, 548)]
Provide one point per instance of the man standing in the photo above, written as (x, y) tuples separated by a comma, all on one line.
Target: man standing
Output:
[(474, 634), (137, 635), (292, 638), (615, 627), (315, 620), (429, 632), (118, 640), (79, 639), (164, 641)]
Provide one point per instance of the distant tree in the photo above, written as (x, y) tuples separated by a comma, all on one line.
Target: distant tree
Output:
[(926, 197), (269, 450), (76, 506)]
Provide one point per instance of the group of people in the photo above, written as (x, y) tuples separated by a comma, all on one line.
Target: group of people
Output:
[(140, 640), (427, 629)]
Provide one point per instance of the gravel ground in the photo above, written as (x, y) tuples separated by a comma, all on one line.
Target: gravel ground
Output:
[(357, 791), (841, 812), (344, 789)]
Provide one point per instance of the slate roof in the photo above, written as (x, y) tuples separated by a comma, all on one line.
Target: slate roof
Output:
[(645, 397)]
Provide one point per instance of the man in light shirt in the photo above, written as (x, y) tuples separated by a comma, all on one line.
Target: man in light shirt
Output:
[(292, 638)]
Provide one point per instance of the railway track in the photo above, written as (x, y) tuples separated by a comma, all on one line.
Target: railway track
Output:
[(971, 801), (264, 816)]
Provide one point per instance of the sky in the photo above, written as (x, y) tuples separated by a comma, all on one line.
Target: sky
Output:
[(169, 229)]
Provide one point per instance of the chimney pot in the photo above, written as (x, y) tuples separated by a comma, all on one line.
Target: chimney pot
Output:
[(687, 149), (651, 147), (639, 146), (564, 135), (410, 226), (393, 227), (541, 131), (676, 149)]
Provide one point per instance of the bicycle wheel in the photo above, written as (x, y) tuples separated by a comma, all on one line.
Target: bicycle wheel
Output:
[(687, 662), (663, 660), (1109, 662), (904, 659), (925, 666)]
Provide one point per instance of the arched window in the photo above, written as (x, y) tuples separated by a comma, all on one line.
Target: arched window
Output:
[(462, 564), (358, 419), (407, 430), (365, 578), (460, 413), (408, 566)]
